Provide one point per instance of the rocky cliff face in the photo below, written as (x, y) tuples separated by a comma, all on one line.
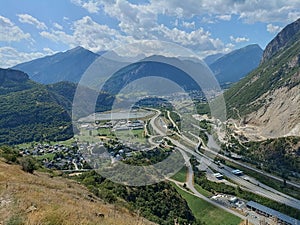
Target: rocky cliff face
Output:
[(281, 40)]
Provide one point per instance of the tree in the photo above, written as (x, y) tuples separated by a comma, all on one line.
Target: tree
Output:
[(28, 164)]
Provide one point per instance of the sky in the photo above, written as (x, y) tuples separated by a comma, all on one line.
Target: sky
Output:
[(32, 29)]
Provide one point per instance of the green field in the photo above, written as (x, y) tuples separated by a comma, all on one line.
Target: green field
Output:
[(180, 175), (88, 136), (206, 212), (31, 144), (105, 132), (203, 191), (134, 136), (49, 156)]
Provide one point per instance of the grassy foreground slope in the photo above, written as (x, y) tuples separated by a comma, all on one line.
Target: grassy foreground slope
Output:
[(42, 199)]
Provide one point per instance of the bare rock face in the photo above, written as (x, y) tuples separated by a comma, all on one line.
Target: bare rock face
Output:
[(280, 115), (281, 40)]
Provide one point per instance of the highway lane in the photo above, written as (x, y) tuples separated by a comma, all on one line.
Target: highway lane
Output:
[(297, 185), (271, 193), (251, 168), (263, 190)]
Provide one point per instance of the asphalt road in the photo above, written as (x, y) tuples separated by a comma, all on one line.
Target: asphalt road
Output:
[(244, 165), (262, 190)]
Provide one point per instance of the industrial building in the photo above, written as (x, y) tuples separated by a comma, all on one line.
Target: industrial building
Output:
[(279, 217)]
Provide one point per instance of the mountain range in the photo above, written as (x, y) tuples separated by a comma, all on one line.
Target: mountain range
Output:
[(267, 98), (72, 64)]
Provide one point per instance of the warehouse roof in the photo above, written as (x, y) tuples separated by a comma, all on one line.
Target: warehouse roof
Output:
[(273, 212)]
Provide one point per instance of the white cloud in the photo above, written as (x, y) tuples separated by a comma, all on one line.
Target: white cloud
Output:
[(58, 26), (273, 29), (95, 37), (49, 51), (26, 18), (11, 57), (59, 36), (88, 34), (248, 10), (239, 39), (139, 21), (224, 17), (135, 20), (199, 40), (92, 6), (10, 32), (189, 25)]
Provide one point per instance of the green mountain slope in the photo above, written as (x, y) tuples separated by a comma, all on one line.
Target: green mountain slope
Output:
[(30, 112), (282, 70)]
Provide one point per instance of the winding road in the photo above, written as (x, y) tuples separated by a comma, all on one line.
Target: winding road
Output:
[(257, 188)]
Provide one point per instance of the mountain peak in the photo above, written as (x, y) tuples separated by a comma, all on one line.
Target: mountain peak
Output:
[(62, 66), (281, 40), (79, 49)]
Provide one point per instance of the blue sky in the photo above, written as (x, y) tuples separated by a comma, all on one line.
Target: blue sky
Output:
[(31, 28)]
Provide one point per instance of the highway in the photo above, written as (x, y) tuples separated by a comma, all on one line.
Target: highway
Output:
[(247, 166), (262, 190), (226, 171)]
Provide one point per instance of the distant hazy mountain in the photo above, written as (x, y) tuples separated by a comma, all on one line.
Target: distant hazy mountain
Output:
[(237, 64), (29, 111), (212, 58), (63, 66), (269, 96), (159, 75), (72, 64)]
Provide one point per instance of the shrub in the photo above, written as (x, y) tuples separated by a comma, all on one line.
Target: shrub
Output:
[(28, 164), (10, 155)]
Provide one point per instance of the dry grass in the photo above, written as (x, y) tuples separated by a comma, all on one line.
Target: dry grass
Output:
[(38, 199)]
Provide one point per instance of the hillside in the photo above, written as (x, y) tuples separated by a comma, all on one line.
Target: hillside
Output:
[(40, 198), (63, 66), (30, 112), (235, 65), (268, 100), (66, 90), (281, 40)]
